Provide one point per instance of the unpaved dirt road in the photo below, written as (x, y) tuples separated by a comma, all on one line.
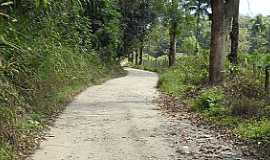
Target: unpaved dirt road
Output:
[(119, 121)]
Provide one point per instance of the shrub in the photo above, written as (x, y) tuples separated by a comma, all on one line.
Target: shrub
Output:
[(171, 82), (193, 69), (247, 107), (209, 98), (266, 111), (5, 153), (185, 78), (244, 84), (255, 130), (190, 45), (45, 58)]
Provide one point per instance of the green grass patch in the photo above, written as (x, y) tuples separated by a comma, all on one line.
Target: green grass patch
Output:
[(257, 130), (5, 152)]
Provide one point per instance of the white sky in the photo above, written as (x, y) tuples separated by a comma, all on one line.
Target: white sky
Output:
[(254, 7)]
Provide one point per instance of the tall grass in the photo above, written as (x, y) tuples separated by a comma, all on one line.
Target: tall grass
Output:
[(46, 56)]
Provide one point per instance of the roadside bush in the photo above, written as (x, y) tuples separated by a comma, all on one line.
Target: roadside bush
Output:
[(240, 103), (5, 153), (247, 107), (183, 79), (193, 69), (257, 130), (244, 84), (46, 57), (266, 111), (210, 101), (190, 45), (171, 82)]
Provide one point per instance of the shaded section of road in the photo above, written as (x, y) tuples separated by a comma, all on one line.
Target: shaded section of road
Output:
[(119, 121)]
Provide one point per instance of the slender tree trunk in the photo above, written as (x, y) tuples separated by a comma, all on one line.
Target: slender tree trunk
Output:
[(141, 55), (198, 28), (1, 59), (228, 15), (130, 57), (125, 48), (235, 34), (267, 79), (172, 52), (216, 65), (136, 57), (197, 33)]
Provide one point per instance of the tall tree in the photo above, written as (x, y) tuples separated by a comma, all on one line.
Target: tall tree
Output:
[(235, 33), (173, 14), (104, 16), (200, 9), (216, 65), (225, 27), (146, 19), (138, 17)]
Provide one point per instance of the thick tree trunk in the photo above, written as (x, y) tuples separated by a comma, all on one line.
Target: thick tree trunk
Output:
[(235, 34), (172, 52), (141, 55), (216, 65)]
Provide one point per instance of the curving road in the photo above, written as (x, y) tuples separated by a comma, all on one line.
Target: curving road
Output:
[(118, 121)]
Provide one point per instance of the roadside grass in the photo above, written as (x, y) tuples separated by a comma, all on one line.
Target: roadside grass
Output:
[(5, 151), (239, 104), (23, 131), (45, 61)]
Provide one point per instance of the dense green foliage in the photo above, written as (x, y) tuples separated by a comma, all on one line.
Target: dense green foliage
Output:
[(49, 51)]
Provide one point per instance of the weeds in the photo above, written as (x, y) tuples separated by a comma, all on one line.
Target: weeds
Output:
[(209, 99), (257, 130), (240, 104), (5, 151)]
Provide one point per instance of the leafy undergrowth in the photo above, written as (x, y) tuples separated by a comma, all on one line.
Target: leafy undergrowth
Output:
[(22, 122), (239, 104), (45, 59)]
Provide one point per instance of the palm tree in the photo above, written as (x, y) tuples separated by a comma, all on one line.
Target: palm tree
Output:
[(3, 5)]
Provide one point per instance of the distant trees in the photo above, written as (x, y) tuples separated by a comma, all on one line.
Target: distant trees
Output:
[(105, 26), (172, 17), (138, 18), (259, 34), (146, 20), (200, 9)]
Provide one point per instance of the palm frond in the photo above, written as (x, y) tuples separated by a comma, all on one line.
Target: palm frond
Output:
[(6, 3)]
